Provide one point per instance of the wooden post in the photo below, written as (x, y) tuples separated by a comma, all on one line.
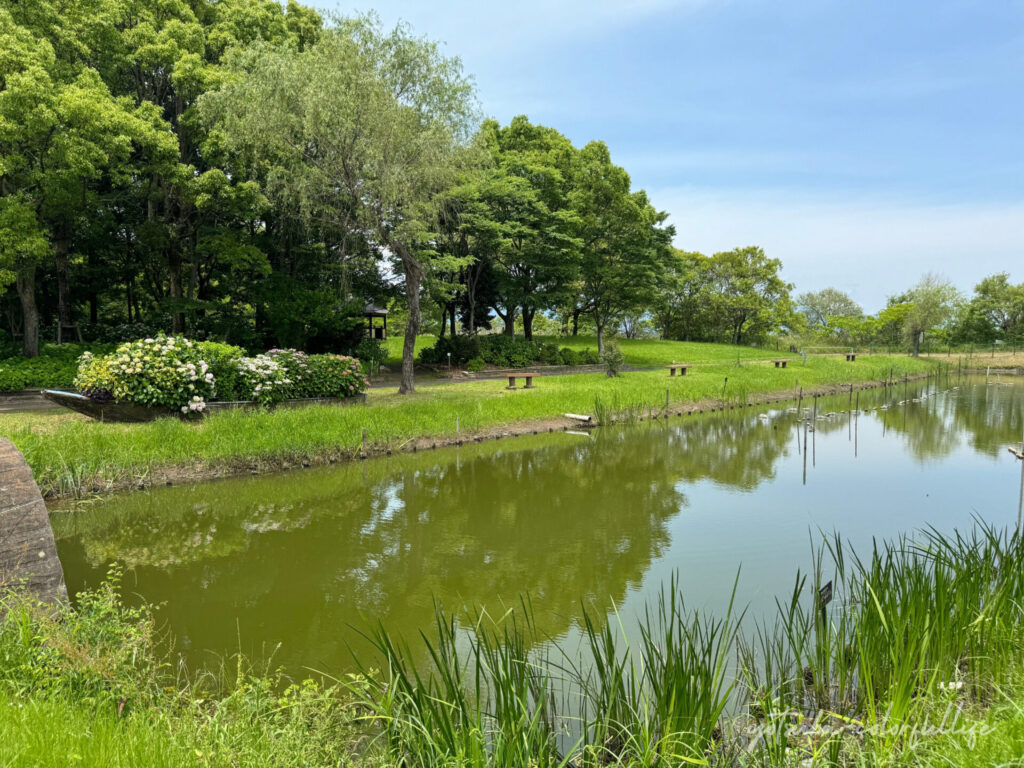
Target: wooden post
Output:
[(364, 442), (666, 402)]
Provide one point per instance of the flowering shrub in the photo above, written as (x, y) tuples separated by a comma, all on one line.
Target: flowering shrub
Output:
[(296, 366), (166, 371), (335, 376), (264, 379)]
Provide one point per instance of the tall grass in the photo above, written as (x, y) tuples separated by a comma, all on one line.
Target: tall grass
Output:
[(915, 625)]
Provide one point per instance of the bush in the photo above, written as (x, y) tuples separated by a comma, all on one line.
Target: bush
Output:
[(589, 357), (476, 364), (264, 379), (166, 371), (373, 353), (55, 368), (612, 357), (223, 360), (569, 356), (462, 349), (335, 376)]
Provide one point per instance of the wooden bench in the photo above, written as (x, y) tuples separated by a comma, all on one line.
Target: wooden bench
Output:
[(528, 376), (681, 367), (851, 357), (780, 363)]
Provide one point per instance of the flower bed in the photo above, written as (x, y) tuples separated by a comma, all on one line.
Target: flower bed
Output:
[(171, 374)]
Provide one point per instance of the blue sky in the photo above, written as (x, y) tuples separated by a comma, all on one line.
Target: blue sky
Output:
[(862, 143)]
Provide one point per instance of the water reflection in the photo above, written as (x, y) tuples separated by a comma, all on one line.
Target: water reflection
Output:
[(300, 558)]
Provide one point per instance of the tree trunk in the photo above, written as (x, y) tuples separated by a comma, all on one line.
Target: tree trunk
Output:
[(174, 290), (94, 309), (26, 284), (917, 343), (600, 337), (528, 323), (444, 323), (65, 313), (576, 322), (413, 278), (453, 319)]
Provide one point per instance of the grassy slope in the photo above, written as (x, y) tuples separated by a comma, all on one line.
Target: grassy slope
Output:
[(65, 450), (638, 352)]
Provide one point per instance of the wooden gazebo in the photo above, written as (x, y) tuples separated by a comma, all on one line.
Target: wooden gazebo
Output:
[(371, 312)]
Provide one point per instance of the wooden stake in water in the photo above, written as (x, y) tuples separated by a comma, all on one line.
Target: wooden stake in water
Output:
[(364, 441), (457, 428), (666, 403)]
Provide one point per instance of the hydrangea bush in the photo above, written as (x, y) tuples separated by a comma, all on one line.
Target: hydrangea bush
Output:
[(175, 373), (166, 371), (265, 379)]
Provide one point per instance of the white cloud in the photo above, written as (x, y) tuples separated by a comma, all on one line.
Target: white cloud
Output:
[(870, 249)]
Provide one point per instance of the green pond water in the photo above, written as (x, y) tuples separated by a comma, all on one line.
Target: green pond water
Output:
[(297, 565)]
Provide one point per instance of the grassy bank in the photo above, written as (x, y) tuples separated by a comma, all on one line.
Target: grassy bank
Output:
[(917, 662), (638, 352), (70, 454)]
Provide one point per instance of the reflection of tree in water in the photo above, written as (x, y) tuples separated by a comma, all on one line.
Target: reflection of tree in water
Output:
[(989, 417), (728, 448), (298, 557)]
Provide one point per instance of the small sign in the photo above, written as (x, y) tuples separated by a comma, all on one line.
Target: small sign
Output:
[(825, 594)]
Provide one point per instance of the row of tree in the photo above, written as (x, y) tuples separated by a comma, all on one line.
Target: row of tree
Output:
[(933, 309)]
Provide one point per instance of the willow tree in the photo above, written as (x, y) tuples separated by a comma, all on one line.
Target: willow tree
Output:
[(364, 130)]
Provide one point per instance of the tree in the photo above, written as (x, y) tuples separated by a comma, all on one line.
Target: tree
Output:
[(748, 296), (932, 302), (820, 306), (368, 130), (624, 245), (60, 130), (538, 257)]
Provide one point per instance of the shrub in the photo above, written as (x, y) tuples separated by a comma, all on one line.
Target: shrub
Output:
[(264, 379), (166, 371), (476, 364), (12, 377), (223, 360), (612, 357), (296, 368), (589, 357), (335, 376), (568, 356), (462, 349), (373, 353)]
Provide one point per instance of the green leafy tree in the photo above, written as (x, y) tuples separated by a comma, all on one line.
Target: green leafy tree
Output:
[(625, 246), (821, 306), (537, 258), (932, 303), (368, 131)]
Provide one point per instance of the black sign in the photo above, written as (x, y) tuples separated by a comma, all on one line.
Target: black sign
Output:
[(825, 594)]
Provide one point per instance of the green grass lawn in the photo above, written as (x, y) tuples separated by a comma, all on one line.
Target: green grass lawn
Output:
[(638, 352), (69, 452)]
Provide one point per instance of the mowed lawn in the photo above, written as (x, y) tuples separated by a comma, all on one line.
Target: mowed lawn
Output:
[(68, 452), (639, 352)]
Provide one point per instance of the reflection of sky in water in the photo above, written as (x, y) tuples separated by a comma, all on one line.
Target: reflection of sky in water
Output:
[(305, 558)]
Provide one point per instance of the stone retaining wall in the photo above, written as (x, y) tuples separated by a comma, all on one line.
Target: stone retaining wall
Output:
[(28, 552)]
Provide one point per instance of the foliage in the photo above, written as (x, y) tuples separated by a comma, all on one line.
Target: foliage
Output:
[(735, 296), (223, 361), (266, 379), (335, 376), (824, 306), (476, 364), (55, 368), (365, 130), (613, 358), (932, 303), (373, 353), (166, 371), (502, 351)]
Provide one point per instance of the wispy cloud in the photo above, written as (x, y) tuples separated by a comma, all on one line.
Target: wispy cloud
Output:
[(870, 248)]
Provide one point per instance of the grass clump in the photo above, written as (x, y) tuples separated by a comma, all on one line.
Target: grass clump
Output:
[(89, 686)]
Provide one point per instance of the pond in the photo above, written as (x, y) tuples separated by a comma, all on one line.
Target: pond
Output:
[(296, 566)]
